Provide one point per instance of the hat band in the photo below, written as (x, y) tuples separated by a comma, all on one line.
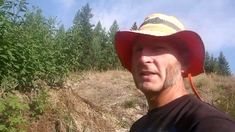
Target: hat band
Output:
[(157, 20)]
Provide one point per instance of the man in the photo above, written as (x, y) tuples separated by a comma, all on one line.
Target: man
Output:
[(159, 55)]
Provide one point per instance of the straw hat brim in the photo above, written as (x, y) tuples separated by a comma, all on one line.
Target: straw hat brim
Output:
[(191, 41)]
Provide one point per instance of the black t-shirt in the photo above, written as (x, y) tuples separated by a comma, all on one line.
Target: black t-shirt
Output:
[(185, 114)]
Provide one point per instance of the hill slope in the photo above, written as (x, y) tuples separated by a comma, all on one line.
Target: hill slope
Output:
[(109, 102), (93, 102)]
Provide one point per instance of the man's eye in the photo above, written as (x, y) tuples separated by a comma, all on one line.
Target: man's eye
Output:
[(159, 49), (138, 49)]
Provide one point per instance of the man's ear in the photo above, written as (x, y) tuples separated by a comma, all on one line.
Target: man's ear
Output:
[(183, 69)]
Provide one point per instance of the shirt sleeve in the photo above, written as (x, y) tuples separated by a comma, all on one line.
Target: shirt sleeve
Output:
[(214, 124)]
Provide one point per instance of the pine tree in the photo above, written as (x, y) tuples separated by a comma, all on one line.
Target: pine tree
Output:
[(207, 64), (83, 34), (211, 64), (223, 65), (214, 64), (98, 49), (111, 54), (134, 26), (217, 65)]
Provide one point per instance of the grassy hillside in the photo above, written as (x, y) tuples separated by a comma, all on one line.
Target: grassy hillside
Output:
[(218, 91), (108, 101), (93, 102)]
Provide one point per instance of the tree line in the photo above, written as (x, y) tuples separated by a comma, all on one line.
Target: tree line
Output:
[(34, 47), (217, 65)]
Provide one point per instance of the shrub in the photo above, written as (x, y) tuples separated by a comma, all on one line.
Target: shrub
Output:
[(12, 113)]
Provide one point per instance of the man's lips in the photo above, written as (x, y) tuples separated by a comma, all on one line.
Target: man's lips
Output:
[(147, 73)]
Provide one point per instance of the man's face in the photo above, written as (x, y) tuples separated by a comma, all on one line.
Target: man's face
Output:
[(154, 66)]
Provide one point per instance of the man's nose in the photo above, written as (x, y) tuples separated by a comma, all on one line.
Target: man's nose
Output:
[(145, 57)]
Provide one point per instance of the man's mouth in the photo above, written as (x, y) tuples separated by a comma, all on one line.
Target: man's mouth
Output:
[(147, 73)]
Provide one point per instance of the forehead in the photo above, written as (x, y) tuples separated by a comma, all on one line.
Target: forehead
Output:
[(170, 47), (158, 47)]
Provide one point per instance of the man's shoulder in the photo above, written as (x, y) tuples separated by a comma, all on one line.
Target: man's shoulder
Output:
[(185, 114), (215, 124), (202, 110), (139, 124), (206, 117)]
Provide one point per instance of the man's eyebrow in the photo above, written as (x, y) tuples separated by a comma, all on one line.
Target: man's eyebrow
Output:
[(159, 46)]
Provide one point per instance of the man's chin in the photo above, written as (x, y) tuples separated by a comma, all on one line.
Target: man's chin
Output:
[(148, 87)]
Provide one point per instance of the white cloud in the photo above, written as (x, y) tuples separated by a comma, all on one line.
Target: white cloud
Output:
[(67, 3)]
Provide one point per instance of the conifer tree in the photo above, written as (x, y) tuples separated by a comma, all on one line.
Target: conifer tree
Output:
[(217, 65), (211, 63), (83, 34), (110, 54), (134, 26), (223, 65), (207, 65), (98, 47)]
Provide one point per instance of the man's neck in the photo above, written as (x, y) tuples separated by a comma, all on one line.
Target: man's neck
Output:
[(167, 95)]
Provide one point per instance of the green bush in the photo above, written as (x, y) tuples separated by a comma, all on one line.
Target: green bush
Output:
[(12, 113), (32, 47), (29, 51)]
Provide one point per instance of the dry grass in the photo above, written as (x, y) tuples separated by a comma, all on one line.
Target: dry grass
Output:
[(217, 90), (93, 101)]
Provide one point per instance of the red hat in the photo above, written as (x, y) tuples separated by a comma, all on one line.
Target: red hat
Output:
[(159, 27)]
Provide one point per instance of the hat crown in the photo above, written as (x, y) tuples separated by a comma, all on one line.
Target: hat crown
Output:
[(162, 23)]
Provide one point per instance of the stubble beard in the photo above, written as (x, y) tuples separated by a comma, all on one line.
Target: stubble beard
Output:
[(173, 74)]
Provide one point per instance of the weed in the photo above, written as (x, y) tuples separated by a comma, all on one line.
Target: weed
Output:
[(130, 103), (39, 103), (124, 123), (69, 123)]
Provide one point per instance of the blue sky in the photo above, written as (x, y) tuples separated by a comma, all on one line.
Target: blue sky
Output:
[(213, 20)]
